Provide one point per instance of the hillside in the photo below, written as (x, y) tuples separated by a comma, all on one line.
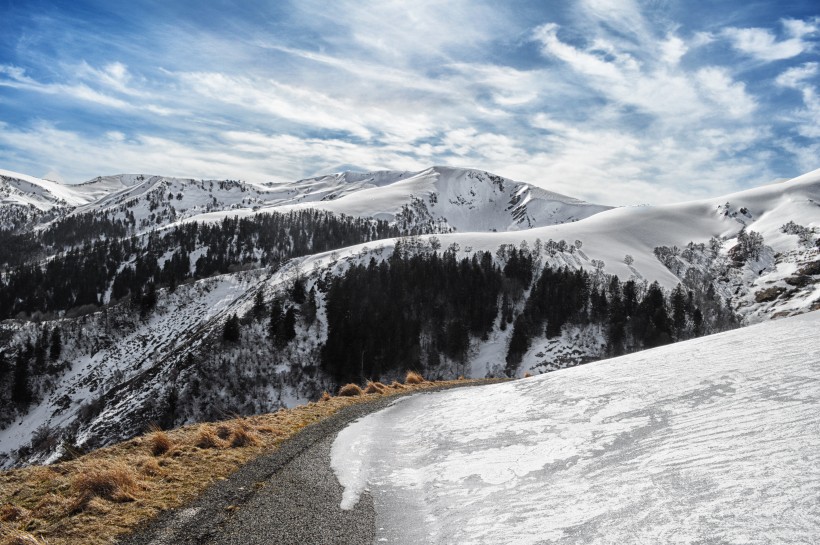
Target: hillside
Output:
[(145, 319), (708, 440)]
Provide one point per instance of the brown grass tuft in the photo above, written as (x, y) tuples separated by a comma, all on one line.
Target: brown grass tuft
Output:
[(207, 438), (150, 467), (413, 378), (325, 397), (374, 388), (350, 390), (12, 513), (527, 374), (10, 536), (242, 437), (397, 385), (223, 431), (160, 443), (113, 481)]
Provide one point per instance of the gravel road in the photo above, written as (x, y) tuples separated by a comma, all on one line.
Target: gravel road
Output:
[(290, 496)]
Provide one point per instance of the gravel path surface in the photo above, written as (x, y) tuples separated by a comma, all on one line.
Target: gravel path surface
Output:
[(290, 496)]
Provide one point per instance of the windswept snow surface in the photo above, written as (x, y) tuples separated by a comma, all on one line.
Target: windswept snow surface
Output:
[(714, 440)]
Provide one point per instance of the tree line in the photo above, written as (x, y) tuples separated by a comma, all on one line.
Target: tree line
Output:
[(137, 266)]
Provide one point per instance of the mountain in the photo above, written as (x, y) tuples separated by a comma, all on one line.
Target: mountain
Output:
[(438, 199), (459, 200), (709, 439), (169, 300)]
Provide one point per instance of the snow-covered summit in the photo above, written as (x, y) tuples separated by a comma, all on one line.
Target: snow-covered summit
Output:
[(463, 200)]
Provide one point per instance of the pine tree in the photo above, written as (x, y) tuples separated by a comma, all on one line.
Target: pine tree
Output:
[(288, 332), (258, 305), (678, 301), (297, 292), (56, 348), (230, 332), (40, 350), (275, 322), (20, 391), (309, 308)]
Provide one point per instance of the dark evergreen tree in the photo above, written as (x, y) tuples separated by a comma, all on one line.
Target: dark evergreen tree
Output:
[(259, 306), (652, 324), (41, 351), (56, 348), (230, 331), (678, 302), (309, 308), (148, 300), (288, 332), (20, 391), (277, 318), (297, 291)]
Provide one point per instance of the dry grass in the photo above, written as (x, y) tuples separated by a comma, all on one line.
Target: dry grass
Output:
[(413, 378), (527, 374), (114, 481), (208, 438), (243, 437), (160, 443), (374, 388), (96, 497), (325, 397), (350, 390), (12, 536), (397, 385)]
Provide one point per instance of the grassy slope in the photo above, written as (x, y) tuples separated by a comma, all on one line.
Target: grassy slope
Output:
[(95, 498)]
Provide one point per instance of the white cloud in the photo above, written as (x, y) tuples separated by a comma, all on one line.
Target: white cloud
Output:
[(762, 44), (807, 118), (398, 31), (655, 84), (672, 50), (717, 85)]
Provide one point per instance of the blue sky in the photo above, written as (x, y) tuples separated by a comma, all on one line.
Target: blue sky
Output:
[(614, 101)]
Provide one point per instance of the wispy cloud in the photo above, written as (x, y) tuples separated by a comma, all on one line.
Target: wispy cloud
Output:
[(800, 78), (615, 101), (764, 45)]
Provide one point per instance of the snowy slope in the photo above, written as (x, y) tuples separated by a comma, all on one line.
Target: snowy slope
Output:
[(714, 440), (43, 194), (25, 199), (466, 200), (438, 199)]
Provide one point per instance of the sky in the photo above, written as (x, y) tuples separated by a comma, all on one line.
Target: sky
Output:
[(613, 101)]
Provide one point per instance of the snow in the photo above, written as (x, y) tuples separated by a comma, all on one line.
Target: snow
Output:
[(714, 440), (464, 199)]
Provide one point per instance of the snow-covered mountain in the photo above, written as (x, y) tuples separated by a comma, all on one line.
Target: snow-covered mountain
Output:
[(131, 355), (438, 199), (712, 440), (461, 200)]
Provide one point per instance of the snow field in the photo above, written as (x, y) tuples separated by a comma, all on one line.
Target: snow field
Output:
[(714, 440)]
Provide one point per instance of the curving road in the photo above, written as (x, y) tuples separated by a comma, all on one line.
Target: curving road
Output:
[(290, 496)]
